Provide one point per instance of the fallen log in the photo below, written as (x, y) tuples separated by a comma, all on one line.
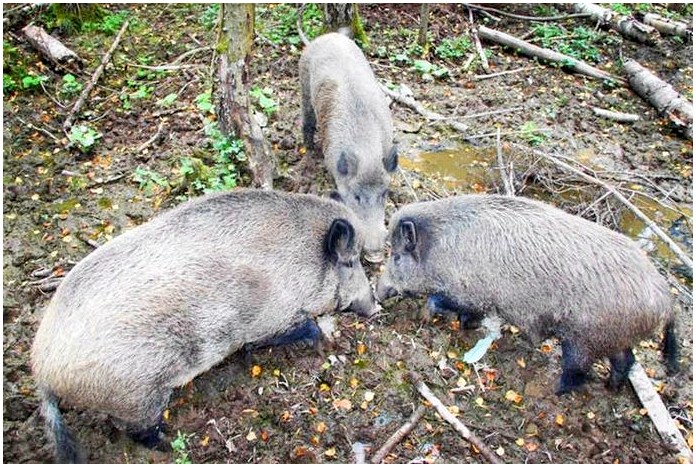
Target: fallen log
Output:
[(661, 95), (93, 81), (479, 445), (52, 49), (668, 27), (627, 26), (545, 54)]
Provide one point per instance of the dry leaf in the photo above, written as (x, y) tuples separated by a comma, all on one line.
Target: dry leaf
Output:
[(204, 440), (590, 415), (522, 364), (461, 382), (276, 372), (165, 414), (323, 387), (354, 382), (285, 417), (343, 404), (369, 396), (500, 451), (512, 396), (453, 409), (546, 348), (251, 436), (321, 427), (531, 447), (650, 372), (560, 420), (264, 435), (256, 371), (331, 452), (479, 402), (362, 348), (519, 442), (514, 329), (314, 440), (451, 354)]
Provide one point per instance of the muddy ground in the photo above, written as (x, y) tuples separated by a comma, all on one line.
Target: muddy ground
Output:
[(292, 404)]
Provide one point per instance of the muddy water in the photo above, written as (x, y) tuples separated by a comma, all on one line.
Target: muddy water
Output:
[(469, 169)]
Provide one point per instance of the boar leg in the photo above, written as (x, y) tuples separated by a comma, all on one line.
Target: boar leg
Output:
[(576, 367), (305, 331), (151, 437), (621, 364), (150, 431), (309, 120), (442, 304)]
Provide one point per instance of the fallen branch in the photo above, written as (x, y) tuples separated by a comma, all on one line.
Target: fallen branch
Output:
[(527, 18), (668, 27), (411, 103), (425, 391), (545, 54), (492, 112), (52, 49), (648, 222), (399, 435), (150, 141), (42, 130), (658, 412), (93, 81), (616, 116), (661, 95), (502, 73), (627, 26)]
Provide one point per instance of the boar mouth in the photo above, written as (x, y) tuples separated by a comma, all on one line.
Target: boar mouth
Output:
[(374, 257)]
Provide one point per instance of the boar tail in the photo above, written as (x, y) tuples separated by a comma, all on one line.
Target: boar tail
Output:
[(670, 348), (66, 451), (300, 13)]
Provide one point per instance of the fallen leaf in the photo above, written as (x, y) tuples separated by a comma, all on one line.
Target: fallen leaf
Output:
[(321, 427), (531, 447), (264, 435), (205, 440), (479, 402), (323, 387), (364, 405), (343, 404), (451, 354), (256, 371), (519, 442), (546, 348), (165, 414), (590, 415), (650, 372), (369, 396), (314, 440), (251, 436), (514, 329), (643, 411), (461, 382), (453, 409), (285, 417), (512, 396), (276, 372), (522, 364), (331, 452), (560, 420), (302, 151), (500, 451), (354, 382), (362, 348), (313, 410)]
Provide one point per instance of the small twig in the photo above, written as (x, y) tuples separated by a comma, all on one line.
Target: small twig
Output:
[(528, 18), (93, 81), (191, 52), (167, 67), (425, 391), (42, 130), (616, 116), (477, 42), (408, 183), (411, 103), (147, 143), (492, 112), (509, 190), (399, 435), (502, 73)]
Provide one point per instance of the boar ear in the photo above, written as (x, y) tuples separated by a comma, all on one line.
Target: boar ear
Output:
[(340, 241), (408, 234), (336, 196), (392, 159), (347, 164)]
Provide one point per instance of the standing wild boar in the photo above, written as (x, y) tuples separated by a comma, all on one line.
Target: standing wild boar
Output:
[(166, 301), (341, 97), (546, 271)]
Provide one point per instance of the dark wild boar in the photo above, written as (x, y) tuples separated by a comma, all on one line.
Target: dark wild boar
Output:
[(343, 101), (164, 302), (546, 271)]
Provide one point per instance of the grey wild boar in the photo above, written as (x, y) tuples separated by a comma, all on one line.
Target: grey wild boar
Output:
[(546, 271), (167, 300), (343, 101)]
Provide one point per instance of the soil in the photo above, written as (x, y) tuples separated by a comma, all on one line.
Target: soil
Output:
[(293, 404)]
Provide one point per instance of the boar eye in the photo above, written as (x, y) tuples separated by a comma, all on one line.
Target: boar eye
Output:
[(358, 199)]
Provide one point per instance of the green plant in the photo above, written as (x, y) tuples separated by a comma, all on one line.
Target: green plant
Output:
[(72, 17), (530, 133), (543, 9), (278, 22), (33, 81), (401, 58), (621, 8), (204, 104), (425, 68), (180, 448), (109, 24), (84, 137), (9, 84), (450, 49), (268, 105), (210, 16), (578, 43), (70, 85), (148, 179), (167, 100)]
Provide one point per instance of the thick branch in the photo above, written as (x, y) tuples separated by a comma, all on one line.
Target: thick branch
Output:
[(544, 54), (616, 116), (626, 25), (668, 27), (661, 95), (658, 412), (425, 391), (411, 103), (52, 49), (93, 81), (400, 434)]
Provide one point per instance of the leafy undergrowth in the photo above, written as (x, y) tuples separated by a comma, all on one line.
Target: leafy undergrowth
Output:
[(63, 192)]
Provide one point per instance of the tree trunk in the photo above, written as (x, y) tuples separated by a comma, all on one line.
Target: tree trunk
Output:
[(626, 25), (344, 18), (423, 31), (234, 110)]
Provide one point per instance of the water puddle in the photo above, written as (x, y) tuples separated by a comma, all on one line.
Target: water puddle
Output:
[(465, 168)]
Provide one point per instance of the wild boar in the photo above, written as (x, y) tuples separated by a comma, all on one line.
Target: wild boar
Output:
[(167, 300), (546, 271), (342, 99)]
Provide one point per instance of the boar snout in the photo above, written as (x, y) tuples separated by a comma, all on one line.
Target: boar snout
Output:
[(365, 307), (374, 246), (385, 291)]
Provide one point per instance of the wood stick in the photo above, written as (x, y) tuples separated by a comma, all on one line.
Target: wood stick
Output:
[(93, 81), (527, 18), (425, 391), (616, 116), (147, 143), (683, 257), (399, 435), (626, 25), (507, 184), (658, 412), (667, 26), (502, 73), (545, 54), (411, 103), (661, 95)]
